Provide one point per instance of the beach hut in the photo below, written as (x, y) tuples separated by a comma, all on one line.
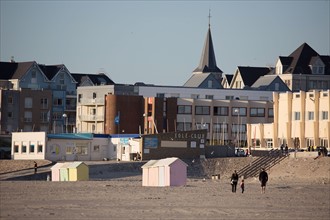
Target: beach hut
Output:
[(164, 172), (78, 171), (64, 172), (56, 171)]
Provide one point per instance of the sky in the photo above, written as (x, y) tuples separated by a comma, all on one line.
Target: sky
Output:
[(159, 42)]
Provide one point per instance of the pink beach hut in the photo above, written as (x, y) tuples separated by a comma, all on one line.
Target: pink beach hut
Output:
[(165, 172), (56, 171)]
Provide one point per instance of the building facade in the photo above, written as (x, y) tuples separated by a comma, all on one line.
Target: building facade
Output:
[(301, 120)]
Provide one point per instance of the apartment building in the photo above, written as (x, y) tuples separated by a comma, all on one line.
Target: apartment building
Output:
[(301, 120)]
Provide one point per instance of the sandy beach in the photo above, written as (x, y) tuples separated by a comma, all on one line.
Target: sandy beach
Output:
[(297, 189)]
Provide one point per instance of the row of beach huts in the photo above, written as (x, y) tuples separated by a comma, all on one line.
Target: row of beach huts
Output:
[(164, 172)]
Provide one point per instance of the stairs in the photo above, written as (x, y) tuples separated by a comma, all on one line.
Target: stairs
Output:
[(266, 161)]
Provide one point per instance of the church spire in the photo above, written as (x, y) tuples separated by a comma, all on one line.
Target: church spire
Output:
[(208, 63)]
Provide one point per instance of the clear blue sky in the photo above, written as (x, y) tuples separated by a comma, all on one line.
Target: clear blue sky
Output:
[(159, 42)]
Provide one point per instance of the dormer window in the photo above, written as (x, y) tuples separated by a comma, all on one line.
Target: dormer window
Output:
[(317, 66)]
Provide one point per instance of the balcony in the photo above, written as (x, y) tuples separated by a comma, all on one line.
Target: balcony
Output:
[(91, 117), (86, 101)]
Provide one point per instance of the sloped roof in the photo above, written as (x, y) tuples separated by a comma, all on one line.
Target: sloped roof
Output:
[(50, 70), (76, 164), (208, 62), (96, 79), (196, 79), (285, 60), (251, 74), (13, 70), (162, 162), (264, 81), (229, 77)]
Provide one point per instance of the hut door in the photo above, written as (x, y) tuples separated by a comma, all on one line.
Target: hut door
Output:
[(161, 177)]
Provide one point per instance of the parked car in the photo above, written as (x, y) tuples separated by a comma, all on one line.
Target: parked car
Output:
[(240, 152)]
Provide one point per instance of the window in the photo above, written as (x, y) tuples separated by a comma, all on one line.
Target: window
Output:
[(296, 116), (94, 95), (184, 109), (183, 126), (288, 83), (160, 95), (44, 103), (24, 148), (61, 76), (236, 111), (297, 96), (229, 97), (209, 84), (58, 102), (93, 111), (238, 128), (221, 110), (310, 115), (10, 100), (28, 102), (194, 96), (220, 128), (257, 112), (80, 97), (270, 113), (69, 150), (39, 148), (324, 115), (32, 148), (277, 86), (10, 114), (16, 147), (325, 94), (44, 116), (96, 148), (202, 126), (202, 110), (81, 149), (27, 116), (208, 96)]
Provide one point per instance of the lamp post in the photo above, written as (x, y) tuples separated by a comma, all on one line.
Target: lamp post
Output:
[(65, 116), (238, 124)]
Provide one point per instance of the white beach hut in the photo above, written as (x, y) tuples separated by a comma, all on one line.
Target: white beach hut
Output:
[(56, 171), (165, 172)]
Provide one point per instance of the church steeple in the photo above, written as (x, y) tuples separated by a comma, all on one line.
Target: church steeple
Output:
[(208, 63)]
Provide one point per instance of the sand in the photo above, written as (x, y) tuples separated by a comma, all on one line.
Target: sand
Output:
[(294, 191)]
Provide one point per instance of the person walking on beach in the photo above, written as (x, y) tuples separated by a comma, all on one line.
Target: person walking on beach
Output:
[(242, 185), (35, 167), (233, 181), (263, 178)]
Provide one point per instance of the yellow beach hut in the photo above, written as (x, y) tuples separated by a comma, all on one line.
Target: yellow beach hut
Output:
[(78, 171)]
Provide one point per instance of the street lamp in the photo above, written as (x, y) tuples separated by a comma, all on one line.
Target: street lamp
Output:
[(65, 116), (238, 124)]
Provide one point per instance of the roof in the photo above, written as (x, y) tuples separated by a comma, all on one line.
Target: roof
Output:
[(75, 164), (208, 62), (196, 79), (162, 162), (251, 74), (82, 136), (264, 81), (96, 79), (229, 77), (13, 70), (50, 70)]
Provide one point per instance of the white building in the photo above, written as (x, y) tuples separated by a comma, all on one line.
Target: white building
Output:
[(301, 120)]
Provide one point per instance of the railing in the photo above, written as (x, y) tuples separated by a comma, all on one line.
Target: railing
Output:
[(91, 117), (96, 101), (266, 162)]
